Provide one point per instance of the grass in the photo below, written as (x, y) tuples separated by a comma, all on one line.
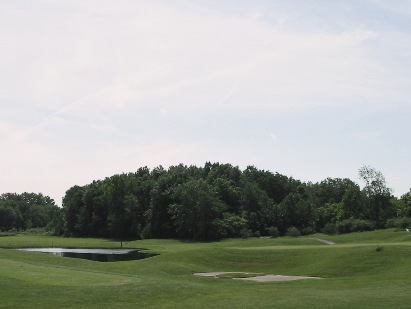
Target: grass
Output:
[(356, 274)]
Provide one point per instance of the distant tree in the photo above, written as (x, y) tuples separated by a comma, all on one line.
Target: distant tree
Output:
[(158, 217), (374, 181), (26, 210), (355, 204), (379, 195), (329, 213), (332, 190), (72, 205), (228, 192), (123, 221), (223, 171), (404, 207), (56, 225), (195, 210), (7, 218), (253, 201), (296, 211), (276, 186)]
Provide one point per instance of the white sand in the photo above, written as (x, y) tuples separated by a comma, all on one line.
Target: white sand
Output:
[(271, 278), (266, 278)]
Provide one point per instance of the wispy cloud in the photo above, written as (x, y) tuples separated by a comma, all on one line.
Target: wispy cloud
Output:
[(118, 84), (154, 55)]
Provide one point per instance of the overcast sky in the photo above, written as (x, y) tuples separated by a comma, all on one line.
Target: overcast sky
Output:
[(309, 89)]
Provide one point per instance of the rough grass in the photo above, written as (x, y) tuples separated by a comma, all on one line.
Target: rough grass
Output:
[(356, 275)]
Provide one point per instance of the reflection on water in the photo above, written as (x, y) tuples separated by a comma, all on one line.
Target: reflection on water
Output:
[(100, 255)]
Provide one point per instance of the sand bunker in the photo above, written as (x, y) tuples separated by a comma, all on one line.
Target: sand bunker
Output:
[(271, 278), (219, 273), (265, 278)]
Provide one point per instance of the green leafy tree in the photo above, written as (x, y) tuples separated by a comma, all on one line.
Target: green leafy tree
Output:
[(7, 218), (296, 211), (276, 186), (404, 205), (26, 210), (72, 205), (379, 195), (196, 210), (355, 204), (332, 190), (253, 201), (329, 213)]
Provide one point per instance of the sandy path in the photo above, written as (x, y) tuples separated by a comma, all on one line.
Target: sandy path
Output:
[(278, 278), (266, 278), (328, 242), (218, 273)]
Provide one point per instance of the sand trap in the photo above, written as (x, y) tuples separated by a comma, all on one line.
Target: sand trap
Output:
[(219, 273), (271, 278), (266, 278)]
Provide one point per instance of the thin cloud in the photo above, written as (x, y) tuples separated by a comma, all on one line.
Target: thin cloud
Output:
[(119, 84)]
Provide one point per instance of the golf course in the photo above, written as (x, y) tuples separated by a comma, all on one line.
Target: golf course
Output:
[(361, 270)]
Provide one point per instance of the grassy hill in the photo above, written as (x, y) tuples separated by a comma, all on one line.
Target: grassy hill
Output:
[(356, 275)]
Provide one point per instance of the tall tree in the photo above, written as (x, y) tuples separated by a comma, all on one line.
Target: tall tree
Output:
[(379, 195), (404, 209), (72, 205), (196, 210)]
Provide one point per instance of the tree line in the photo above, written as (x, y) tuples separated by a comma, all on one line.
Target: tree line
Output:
[(220, 201), (27, 210)]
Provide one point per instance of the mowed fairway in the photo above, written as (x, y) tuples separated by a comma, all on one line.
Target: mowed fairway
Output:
[(355, 274)]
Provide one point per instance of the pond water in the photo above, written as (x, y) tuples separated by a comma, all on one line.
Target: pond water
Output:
[(100, 255)]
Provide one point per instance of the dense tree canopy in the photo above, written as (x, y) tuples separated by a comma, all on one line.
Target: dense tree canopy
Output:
[(209, 202), (220, 200), (28, 210)]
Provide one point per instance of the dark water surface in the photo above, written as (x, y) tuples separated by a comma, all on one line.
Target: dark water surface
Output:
[(100, 255)]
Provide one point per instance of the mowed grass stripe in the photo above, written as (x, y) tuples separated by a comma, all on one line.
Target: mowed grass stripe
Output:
[(50, 275)]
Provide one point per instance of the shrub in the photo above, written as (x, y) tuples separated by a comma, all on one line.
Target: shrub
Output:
[(146, 233), (308, 231), (245, 233), (273, 232), (35, 231), (7, 234), (354, 225), (293, 232), (400, 223), (230, 225), (378, 248), (363, 225), (330, 229)]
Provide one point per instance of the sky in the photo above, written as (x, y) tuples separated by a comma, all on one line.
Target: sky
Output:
[(307, 88)]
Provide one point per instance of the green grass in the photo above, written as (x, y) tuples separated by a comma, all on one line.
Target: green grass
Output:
[(355, 274)]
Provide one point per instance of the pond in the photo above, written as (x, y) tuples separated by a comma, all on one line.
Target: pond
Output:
[(100, 255)]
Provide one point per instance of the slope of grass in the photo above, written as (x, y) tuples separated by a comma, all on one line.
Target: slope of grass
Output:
[(355, 274)]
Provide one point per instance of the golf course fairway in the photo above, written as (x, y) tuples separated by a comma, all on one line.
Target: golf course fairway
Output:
[(362, 270)]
